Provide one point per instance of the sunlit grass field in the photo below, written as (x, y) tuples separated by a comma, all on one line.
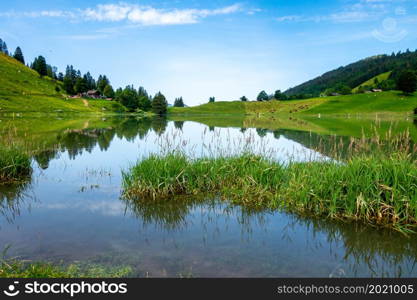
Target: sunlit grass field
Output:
[(22, 90), (392, 102)]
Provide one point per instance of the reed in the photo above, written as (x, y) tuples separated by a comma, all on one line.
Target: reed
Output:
[(14, 165), (372, 180)]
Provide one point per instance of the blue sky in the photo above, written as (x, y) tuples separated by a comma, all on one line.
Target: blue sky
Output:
[(197, 49)]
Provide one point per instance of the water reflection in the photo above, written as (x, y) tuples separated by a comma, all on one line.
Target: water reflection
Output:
[(78, 214), (12, 197)]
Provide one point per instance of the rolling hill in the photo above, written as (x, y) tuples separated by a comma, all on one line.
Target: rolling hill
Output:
[(357, 73), (371, 82), (23, 90), (384, 102)]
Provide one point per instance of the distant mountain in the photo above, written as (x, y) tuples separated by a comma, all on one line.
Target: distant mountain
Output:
[(357, 73)]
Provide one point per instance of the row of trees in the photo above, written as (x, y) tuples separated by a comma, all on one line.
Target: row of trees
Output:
[(179, 102), (74, 83), (406, 82), (3, 47), (135, 100)]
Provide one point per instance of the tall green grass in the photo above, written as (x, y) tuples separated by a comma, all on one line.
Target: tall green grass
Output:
[(14, 165), (374, 181)]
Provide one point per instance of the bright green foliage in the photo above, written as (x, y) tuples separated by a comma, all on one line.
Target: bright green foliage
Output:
[(102, 82), (385, 102), (144, 101), (159, 104), (128, 98), (14, 165), (19, 269), (108, 91), (376, 188)]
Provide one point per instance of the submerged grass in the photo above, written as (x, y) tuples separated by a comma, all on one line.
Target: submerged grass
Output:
[(374, 181), (21, 269), (14, 165)]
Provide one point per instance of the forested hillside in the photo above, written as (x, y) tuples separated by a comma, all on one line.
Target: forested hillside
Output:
[(357, 73)]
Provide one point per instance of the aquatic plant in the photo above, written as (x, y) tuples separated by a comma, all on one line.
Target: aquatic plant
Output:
[(23, 269), (14, 165), (375, 181)]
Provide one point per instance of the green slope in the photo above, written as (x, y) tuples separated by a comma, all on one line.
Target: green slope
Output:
[(371, 82), (224, 107), (356, 73), (23, 90), (385, 102)]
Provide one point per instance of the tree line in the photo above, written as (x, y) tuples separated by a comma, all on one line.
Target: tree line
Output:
[(76, 83), (349, 77)]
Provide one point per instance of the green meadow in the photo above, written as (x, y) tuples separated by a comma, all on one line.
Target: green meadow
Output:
[(384, 103), (24, 91)]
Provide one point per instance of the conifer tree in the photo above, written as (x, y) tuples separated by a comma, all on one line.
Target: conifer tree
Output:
[(159, 104), (18, 55), (179, 102), (407, 82)]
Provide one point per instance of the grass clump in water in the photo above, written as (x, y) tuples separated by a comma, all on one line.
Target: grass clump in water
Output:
[(377, 187), (21, 269), (14, 165)]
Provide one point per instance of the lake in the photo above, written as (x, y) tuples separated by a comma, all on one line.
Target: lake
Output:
[(72, 210)]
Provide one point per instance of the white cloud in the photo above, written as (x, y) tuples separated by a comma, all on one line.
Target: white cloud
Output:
[(152, 16), (142, 15)]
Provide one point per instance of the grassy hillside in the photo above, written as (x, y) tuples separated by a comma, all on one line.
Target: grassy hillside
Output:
[(386, 102), (23, 90), (224, 107), (356, 73), (371, 82)]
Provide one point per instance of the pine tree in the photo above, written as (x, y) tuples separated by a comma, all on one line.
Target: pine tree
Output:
[(128, 98), (4, 48), (18, 55), (108, 91), (212, 99), (91, 83), (407, 82), (179, 102), (102, 82), (69, 80), (80, 86), (263, 96), (39, 65), (243, 99), (159, 104), (144, 101)]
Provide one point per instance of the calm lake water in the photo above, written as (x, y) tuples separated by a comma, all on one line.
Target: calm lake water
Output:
[(72, 211)]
